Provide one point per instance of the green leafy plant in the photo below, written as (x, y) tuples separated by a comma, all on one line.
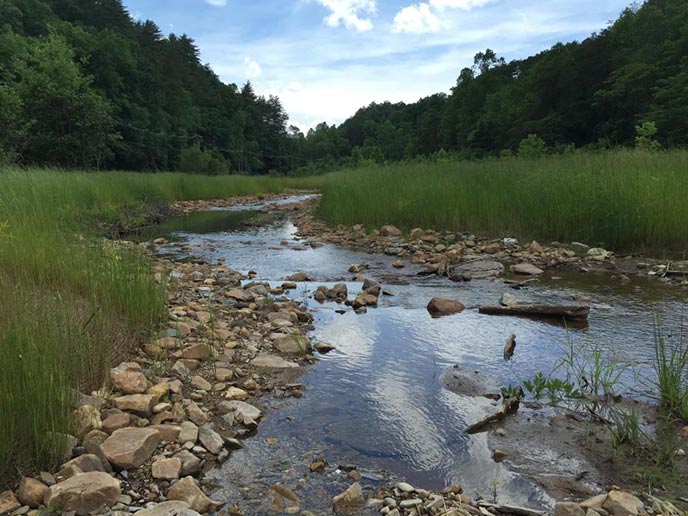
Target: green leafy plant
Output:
[(645, 137), (532, 147)]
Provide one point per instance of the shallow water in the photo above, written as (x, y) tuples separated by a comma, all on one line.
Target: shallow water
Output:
[(377, 401)]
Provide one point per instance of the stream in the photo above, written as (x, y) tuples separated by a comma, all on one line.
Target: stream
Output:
[(377, 401)]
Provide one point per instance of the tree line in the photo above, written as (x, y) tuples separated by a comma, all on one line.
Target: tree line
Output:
[(84, 85)]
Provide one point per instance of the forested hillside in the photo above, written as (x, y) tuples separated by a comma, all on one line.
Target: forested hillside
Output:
[(84, 85), (589, 93)]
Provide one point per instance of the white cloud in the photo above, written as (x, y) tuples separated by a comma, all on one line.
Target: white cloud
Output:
[(251, 68), (466, 5), (416, 19), (217, 3), (353, 14)]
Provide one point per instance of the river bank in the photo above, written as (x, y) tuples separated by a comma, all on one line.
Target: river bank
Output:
[(225, 335)]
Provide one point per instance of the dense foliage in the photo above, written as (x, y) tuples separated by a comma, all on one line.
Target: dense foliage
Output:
[(82, 84), (596, 93)]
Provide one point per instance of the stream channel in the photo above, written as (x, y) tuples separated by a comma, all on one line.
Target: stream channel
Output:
[(377, 401)]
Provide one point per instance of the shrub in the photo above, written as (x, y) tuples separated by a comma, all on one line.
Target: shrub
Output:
[(532, 147)]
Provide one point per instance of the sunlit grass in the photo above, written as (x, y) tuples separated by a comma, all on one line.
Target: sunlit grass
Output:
[(622, 200), (71, 300)]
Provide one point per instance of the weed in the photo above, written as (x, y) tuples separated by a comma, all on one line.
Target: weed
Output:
[(671, 367)]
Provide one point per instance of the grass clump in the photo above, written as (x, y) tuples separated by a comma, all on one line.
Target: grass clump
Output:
[(671, 367), (73, 302), (622, 200)]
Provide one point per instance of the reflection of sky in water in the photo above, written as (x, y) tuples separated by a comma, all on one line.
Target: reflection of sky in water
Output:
[(377, 400)]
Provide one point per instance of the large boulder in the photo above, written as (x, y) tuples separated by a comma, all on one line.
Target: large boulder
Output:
[(128, 378), (442, 306), (186, 490), (84, 493), (128, 448), (349, 501)]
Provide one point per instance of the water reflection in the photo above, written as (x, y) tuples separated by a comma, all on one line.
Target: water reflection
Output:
[(377, 401)]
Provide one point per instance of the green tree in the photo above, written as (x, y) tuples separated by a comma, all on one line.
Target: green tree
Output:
[(532, 147), (645, 137)]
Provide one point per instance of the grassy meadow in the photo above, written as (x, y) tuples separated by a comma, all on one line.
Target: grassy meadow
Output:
[(621, 200), (72, 301)]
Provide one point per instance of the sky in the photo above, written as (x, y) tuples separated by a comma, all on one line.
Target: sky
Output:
[(325, 59)]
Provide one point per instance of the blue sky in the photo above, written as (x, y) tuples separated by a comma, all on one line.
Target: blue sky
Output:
[(327, 58)]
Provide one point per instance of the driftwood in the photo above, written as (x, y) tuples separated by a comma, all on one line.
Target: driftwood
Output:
[(511, 509), (510, 347), (567, 312), (509, 406)]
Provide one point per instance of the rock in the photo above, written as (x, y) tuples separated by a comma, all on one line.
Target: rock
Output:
[(568, 509), (293, 344), (477, 269), (508, 299), (235, 393), (469, 382), (243, 411), (323, 348), (579, 248), (128, 378), (116, 421), (526, 269), (168, 433), (188, 433), (349, 501), (139, 404), (299, 277), (8, 502), (196, 413), (167, 469), (196, 352), (84, 493), (398, 264), (31, 492), (85, 419), (210, 439), (175, 508), (200, 383), (272, 362), (535, 248), (187, 491), (442, 306), (596, 502), (598, 252), (85, 464), (390, 231), (129, 448), (160, 390), (620, 503), (191, 465), (405, 487)]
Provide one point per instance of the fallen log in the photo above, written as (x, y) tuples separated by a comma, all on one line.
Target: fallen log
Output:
[(547, 311), (509, 406)]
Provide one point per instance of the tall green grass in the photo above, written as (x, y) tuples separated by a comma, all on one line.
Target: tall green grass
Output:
[(623, 200), (671, 367), (71, 301)]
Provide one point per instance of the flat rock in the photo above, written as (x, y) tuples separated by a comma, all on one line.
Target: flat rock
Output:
[(210, 439), (442, 306), (198, 382), (167, 469), (568, 509), (469, 382), (84, 493), (196, 352), (293, 344), (175, 508), (129, 448), (478, 269), (545, 311), (139, 404), (243, 411), (526, 269), (188, 433), (272, 362)]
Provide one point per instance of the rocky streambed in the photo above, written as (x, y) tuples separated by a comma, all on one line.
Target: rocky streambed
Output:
[(301, 372)]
